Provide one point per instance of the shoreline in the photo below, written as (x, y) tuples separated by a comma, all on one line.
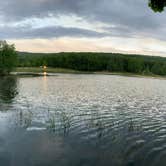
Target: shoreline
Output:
[(37, 71)]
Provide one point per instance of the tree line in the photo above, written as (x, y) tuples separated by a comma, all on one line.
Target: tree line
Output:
[(110, 62), (91, 62)]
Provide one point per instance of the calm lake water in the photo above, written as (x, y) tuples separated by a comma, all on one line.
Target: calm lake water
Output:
[(82, 120)]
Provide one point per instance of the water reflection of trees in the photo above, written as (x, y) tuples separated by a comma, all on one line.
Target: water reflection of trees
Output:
[(8, 89)]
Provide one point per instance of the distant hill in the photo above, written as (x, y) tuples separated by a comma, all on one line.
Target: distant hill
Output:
[(133, 55), (88, 61)]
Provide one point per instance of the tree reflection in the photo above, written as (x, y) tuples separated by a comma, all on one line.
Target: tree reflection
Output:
[(8, 89)]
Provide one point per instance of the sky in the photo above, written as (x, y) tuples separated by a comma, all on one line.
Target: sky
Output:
[(124, 26)]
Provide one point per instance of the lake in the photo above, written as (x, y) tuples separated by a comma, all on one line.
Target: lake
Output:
[(82, 120)]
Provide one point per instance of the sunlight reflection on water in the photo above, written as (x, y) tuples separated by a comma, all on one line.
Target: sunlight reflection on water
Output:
[(82, 120)]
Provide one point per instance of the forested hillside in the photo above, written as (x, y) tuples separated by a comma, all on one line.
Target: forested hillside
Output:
[(96, 62)]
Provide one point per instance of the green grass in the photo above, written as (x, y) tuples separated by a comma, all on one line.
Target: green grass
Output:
[(36, 70), (48, 70)]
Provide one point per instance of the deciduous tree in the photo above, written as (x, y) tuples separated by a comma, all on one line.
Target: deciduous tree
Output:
[(157, 5), (8, 58)]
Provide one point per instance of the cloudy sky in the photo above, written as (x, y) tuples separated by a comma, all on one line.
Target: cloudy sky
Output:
[(126, 26)]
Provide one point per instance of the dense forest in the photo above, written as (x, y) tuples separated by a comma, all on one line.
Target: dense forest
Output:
[(110, 62)]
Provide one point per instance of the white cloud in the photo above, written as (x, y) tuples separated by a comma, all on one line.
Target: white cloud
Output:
[(88, 25), (110, 44)]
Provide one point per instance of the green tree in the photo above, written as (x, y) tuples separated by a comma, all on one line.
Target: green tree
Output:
[(116, 63), (8, 58), (157, 5), (135, 65), (156, 68)]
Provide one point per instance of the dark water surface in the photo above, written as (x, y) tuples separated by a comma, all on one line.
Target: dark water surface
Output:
[(82, 120)]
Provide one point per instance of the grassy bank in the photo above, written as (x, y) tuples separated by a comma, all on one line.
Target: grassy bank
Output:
[(48, 70), (36, 70)]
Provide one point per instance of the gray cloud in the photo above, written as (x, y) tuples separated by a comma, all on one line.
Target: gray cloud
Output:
[(130, 17), (47, 32)]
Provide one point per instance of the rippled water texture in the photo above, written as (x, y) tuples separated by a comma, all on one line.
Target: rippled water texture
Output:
[(82, 120)]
